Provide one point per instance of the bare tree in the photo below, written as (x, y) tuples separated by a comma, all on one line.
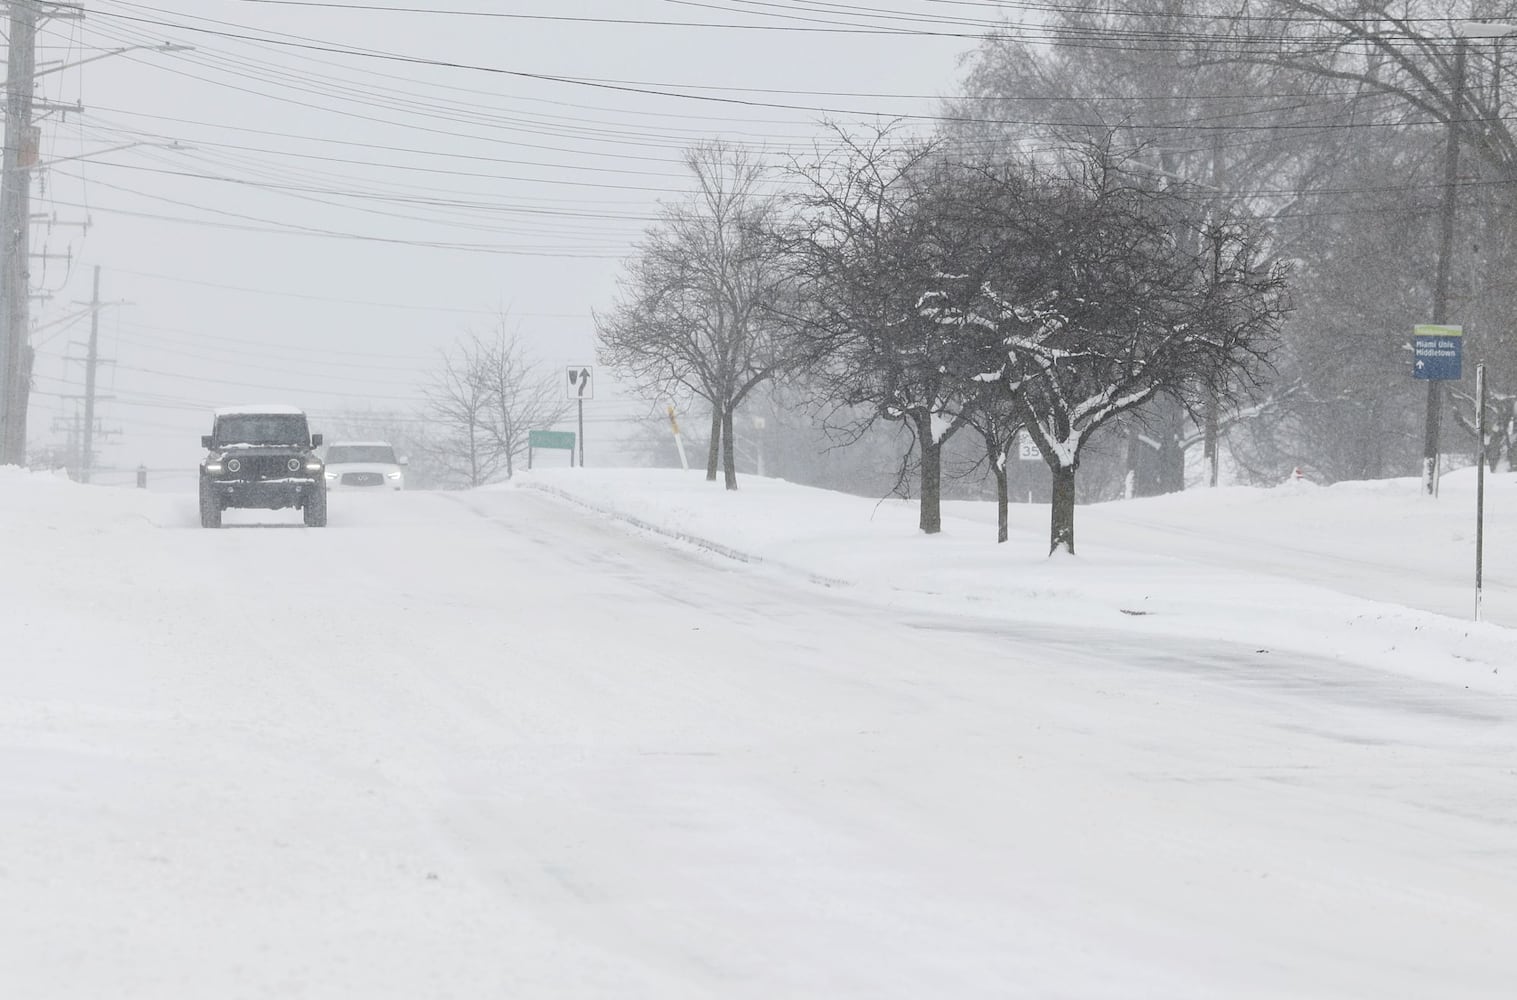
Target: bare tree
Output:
[(998, 423), (1096, 307), (521, 397), (862, 244), (458, 400), (485, 399), (696, 309)]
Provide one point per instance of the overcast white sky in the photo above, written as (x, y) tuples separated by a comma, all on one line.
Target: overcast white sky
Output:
[(546, 183)]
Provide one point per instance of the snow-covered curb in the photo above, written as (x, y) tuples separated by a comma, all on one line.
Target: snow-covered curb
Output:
[(705, 544)]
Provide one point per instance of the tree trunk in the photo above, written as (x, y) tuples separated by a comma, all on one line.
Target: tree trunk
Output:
[(1003, 498), (729, 450), (931, 519), (473, 458), (1171, 454), (1062, 527), (714, 452), (1134, 453), (1213, 439)]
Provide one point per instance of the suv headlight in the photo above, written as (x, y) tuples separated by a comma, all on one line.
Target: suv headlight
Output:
[(392, 475), (234, 465)]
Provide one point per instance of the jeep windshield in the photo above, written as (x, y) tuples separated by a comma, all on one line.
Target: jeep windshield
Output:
[(246, 430), (344, 454)]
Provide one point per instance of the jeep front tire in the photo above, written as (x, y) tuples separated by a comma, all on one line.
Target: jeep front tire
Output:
[(315, 509), (210, 507)]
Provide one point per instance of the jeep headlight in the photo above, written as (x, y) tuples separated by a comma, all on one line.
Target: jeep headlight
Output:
[(213, 466), (293, 465), (234, 465)]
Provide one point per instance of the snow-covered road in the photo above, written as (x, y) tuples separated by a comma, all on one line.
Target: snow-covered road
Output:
[(487, 745)]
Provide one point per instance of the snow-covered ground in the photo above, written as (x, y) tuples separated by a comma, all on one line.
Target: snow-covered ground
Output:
[(618, 733)]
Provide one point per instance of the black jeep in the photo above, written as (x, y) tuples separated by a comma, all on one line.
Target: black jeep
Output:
[(262, 457)]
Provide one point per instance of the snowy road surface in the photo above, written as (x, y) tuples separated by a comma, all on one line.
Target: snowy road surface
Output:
[(487, 745)]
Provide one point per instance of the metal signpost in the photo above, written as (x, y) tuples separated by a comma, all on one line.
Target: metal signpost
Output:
[(579, 387)]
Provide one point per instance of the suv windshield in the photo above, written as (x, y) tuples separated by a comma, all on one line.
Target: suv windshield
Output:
[(339, 454), (262, 428)]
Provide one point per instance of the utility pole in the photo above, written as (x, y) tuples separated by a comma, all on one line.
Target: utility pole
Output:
[(1463, 31), (92, 363), (1430, 433), (15, 226), (92, 358)]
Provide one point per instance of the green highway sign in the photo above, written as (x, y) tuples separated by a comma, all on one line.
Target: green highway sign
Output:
[(550, 439)]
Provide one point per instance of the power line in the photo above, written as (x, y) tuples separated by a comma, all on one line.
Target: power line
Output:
[(341, 301)]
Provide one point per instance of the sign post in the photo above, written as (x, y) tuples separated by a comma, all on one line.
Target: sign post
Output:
[(580, 387)]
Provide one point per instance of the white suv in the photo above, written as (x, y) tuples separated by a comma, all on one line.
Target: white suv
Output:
[(364, 465)]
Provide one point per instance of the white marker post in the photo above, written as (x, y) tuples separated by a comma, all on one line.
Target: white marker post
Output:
[(679, 442)]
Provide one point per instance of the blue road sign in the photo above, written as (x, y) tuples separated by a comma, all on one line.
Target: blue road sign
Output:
[(1438, 352)]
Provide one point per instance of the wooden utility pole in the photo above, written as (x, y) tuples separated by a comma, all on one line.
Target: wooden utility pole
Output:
[(15, 226)]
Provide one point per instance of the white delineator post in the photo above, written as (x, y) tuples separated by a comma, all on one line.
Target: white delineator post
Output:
[(679, 442)]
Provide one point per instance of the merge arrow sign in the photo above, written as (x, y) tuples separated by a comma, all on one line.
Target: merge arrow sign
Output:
[(580, 383)]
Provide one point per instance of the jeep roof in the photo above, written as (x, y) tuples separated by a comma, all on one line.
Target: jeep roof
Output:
[(283, 409)]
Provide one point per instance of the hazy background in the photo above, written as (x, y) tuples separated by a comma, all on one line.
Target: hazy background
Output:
[(292, 223)]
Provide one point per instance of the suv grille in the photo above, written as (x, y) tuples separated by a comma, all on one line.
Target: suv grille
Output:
[(264, 466), (363, 479)]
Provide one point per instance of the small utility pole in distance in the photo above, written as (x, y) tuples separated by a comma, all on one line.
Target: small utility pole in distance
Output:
[(92, 363), (92, 358)]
